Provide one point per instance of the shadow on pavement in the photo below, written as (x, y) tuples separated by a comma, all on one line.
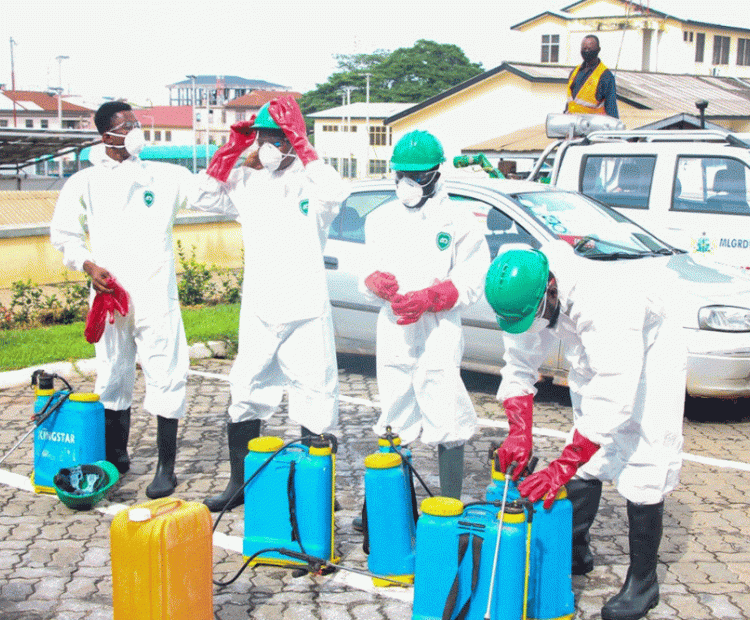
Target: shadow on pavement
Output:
[(717, 409)]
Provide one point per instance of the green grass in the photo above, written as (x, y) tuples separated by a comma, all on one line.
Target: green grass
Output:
[(21, 348), (212, 323)]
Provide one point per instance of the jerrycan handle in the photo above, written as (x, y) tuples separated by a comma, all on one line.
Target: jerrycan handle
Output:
[(169, 506), (478, 510), (161, 509)]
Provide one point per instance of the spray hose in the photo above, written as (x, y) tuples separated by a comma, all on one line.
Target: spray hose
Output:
[(315, 566), (292, 505), (46, 411), (463, 161), (389, 436)]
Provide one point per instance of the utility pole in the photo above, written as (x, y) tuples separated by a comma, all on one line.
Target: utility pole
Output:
[(208, 128), (348, 90), (13, 80), (192, 113), (367, 123), (59, 70)]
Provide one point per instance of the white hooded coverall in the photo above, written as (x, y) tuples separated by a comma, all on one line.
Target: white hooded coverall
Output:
[(286, 331), (418, 365), (129, 210), (627, 375)]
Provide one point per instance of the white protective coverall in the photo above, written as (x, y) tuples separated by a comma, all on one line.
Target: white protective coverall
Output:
[(286, 331), (628, 360), (418, 365), (129, 209)]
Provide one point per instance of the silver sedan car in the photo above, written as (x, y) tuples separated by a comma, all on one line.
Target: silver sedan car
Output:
[(713, 300)]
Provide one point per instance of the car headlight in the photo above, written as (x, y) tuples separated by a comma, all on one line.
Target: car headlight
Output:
[(724, 318)]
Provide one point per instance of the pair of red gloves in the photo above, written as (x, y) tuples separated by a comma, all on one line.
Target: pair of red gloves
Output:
[(411, 306), (287, 115), (517, 449), (105, 304)]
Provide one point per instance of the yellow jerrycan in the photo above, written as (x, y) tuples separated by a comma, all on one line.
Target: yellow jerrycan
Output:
[(162, 561)]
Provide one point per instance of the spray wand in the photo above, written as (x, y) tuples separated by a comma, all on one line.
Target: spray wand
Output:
[(45, 382)]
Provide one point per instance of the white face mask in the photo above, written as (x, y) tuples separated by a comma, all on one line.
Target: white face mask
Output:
[(134, 141), (539, 323), (271, 157), (537, 326), (409, 192)]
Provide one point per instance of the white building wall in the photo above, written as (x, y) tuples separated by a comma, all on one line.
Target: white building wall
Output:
[(352, 145), (622, 42), (502, 107), (178, 136)]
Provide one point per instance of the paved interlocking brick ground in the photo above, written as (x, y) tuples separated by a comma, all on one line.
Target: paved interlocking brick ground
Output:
[(55, 563)]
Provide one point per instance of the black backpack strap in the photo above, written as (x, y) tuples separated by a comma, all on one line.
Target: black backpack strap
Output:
[(450, 602), (291, 494), (476, 553)]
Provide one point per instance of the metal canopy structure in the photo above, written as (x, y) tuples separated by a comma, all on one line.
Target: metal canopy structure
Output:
[(22, 147)]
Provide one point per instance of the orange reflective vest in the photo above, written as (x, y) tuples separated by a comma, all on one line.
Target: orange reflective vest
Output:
[(585, 101)]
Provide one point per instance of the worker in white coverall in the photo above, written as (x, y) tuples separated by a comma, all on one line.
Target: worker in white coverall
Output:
[(129, 206), (426, 259), (285, 198), (627, 379)]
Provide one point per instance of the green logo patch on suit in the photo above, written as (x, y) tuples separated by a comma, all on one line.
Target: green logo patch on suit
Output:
[(304, 205), (148, 197), (443, 240)]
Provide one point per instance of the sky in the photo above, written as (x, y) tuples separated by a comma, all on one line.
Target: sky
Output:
[(134, 48)]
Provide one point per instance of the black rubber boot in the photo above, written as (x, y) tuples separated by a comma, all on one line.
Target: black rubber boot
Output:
[(641, 590), (584, 495), (164, 480), (239, 435), (116, 433), (451, 470)]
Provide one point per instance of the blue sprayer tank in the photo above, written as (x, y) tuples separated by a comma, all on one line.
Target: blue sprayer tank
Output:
[(390, 517), (73, 434), (550, 583), (444, 527), (294, 486)]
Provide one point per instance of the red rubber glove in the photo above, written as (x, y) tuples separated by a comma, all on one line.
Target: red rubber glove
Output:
[(383, 284), (288, 116), (548, 482), (517, 445), (411, 306), (105, 304), (240, 138)]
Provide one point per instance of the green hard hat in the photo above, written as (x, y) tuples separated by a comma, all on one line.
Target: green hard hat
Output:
[(417, 150), (80, 487), (515, 285), (264, 120)]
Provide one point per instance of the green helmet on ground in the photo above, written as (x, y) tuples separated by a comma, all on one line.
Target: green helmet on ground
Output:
[(264, 120), (515, 285), (417, 150)]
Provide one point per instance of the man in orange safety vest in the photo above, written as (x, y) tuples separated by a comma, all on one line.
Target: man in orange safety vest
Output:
[(591, 86)]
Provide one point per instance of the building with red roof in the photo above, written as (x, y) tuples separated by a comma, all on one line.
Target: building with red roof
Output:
[(167, 124), (30, 109)]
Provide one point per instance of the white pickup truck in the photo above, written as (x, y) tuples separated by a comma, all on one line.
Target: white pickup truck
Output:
[(690, 187)]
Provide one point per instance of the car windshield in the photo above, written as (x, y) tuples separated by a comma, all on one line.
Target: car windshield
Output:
[(595, 231)]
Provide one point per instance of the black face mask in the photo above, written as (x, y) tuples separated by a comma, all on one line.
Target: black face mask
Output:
[(589, 55)]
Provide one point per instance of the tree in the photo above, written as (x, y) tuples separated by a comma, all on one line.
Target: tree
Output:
[(407, 75), (411, 75)]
